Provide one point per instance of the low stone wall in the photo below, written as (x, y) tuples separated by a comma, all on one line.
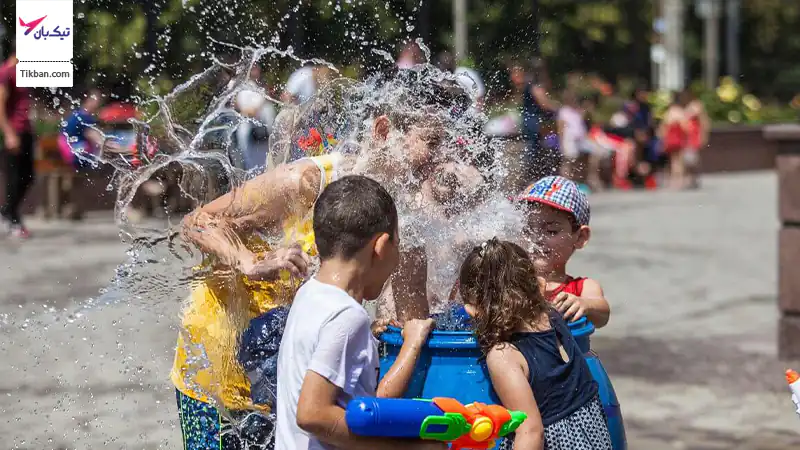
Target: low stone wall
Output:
[(738, 148), (787, 143)]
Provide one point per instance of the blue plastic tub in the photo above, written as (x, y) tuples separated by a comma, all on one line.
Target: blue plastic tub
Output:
[(449, 367)]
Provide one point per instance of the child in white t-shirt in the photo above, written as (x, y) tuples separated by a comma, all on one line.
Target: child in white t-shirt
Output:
[(328, 354), (571, 134)]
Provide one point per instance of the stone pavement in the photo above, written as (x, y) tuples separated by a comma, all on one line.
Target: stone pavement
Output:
[(691, 347)]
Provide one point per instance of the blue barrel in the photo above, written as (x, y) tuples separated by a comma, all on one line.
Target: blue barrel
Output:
[(449, 367)]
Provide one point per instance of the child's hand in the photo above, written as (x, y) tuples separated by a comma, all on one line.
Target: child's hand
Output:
[(380, 326), (417, 330), (570, 306), (292, 259)]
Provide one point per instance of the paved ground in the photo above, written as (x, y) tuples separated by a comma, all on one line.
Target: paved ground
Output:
[(690, 347)]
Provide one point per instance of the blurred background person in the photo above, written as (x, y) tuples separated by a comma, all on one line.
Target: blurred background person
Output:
[(698, 128), (410, 56), (79, 142), (673, 132), (252, 134), (571, 126), (537, 108), (18, 145), (305, 82), (467, 78)]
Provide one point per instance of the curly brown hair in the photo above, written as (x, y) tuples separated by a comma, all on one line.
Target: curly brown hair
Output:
[(499, 280)]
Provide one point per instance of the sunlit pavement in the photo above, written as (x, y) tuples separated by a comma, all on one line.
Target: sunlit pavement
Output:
[(691, 347)]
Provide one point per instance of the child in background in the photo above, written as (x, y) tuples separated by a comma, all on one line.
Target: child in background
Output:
[(534, 362), (673, 134), (571, 134), (328, 354), (558, 224), (697, 127)]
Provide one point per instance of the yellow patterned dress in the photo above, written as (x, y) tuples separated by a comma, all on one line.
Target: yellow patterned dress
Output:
[(221, 306)]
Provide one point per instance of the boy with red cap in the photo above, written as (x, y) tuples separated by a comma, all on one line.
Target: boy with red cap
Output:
[(558, 224)]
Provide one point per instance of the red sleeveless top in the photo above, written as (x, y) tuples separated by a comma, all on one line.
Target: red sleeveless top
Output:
[(572, 286)]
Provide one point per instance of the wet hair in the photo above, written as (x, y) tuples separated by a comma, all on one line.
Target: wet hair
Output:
[(349, 213), (499, 280), (419, 91)]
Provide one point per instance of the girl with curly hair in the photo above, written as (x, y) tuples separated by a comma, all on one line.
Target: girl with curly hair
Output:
[(534, 362)]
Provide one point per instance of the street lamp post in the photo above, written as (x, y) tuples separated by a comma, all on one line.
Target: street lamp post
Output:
[(709, 11), (460, 21), (732, 37)]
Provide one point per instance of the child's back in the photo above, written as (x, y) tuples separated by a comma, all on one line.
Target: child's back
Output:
[(321, 317), (565, 392)]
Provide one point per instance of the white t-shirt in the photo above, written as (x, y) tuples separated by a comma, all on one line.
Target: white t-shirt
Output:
[(301, 84), (470, 80), (327, 332), (574, 131)]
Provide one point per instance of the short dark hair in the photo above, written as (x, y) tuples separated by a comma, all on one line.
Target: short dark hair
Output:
[(349, 213)]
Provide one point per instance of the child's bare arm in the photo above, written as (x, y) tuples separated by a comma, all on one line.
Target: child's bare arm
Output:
[(395, 382), (263, 201), (320, 415), (592, 304), (507, 371)]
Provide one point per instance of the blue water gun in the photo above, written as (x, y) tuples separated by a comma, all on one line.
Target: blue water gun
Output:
[(475, 426)]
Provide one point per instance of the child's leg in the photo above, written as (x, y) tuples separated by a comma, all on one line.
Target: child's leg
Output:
[(691, 161), (676, 169)]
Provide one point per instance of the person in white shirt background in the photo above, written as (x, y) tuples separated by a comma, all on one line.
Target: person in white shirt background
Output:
[(328, 354), (252, 134), (304, 82), (467, 78), (572, 134)]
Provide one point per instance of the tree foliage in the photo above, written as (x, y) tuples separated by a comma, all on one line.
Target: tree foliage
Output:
[(156, 44)]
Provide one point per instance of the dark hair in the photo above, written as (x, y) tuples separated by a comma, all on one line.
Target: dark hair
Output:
[(349, 213), (499, 280)]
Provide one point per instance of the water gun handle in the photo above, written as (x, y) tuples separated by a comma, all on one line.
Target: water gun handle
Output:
[(455, 426)]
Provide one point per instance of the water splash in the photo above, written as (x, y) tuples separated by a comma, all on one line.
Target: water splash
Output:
[(447, 204)]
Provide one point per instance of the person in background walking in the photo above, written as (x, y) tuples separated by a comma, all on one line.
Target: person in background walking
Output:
[(467, 78), (537, 107), (79, 140), (17, 150), (572, 133), (252, 135), (410, 56), (698, 128), (673, 133), (305, 82)]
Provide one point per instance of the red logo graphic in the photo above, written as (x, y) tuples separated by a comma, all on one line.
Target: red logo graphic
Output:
[(30, 25), (553, 189)]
